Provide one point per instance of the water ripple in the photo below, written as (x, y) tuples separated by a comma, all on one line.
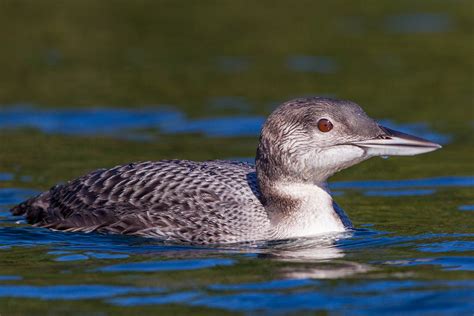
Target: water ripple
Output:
[(398, 192), (409, 183), (317, 64), (419, 23), (271, 285), (377, 297), (466, 208), (168, 265), (10, 278), (70, 292), (448, 246), (6, 176), (139, 124), (9, 196), (446, 263)]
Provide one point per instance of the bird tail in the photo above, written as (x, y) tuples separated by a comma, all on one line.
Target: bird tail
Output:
[(34, 209), (21, 208)]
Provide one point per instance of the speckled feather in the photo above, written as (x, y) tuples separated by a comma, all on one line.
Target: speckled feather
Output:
[(175, 200)]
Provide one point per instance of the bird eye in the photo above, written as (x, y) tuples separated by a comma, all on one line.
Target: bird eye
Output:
[(325, 125)]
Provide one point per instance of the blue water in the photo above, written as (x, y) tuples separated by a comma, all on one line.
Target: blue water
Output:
[(149, 80), (365, 271), (142, 124), (420, 262)]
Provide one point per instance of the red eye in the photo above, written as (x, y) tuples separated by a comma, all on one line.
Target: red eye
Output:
[(325, 125)]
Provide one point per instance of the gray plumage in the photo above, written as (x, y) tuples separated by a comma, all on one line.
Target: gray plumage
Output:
[(176, 200), (285, 195)]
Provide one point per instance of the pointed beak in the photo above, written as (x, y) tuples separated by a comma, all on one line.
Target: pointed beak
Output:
[(394, 143)]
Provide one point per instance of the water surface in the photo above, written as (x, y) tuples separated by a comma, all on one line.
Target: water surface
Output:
[(87, 85)]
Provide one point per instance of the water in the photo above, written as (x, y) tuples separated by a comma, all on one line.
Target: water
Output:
[(365, 271), (86, 85), (317, 64), (419, 23), (145, 122)]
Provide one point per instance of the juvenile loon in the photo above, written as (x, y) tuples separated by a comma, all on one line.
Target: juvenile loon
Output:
[(285, 195)]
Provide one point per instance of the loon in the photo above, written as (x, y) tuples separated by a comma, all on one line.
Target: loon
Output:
[(285, 195)]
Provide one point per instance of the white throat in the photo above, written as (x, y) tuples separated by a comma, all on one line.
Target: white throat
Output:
[(314, 215)]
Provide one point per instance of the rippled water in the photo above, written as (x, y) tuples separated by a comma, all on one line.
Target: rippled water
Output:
[(86, 85), (359, 272), (142, 124), (412, 251)]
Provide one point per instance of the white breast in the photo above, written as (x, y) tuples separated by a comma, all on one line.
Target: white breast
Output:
[(314, 215)]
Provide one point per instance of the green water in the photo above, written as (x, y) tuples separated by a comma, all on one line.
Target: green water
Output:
[(410, 62)]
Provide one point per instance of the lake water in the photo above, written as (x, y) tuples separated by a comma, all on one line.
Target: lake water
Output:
[(93, 85)]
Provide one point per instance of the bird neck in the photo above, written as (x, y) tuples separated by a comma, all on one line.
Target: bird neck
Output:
[(293, 193), (300, 209)]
